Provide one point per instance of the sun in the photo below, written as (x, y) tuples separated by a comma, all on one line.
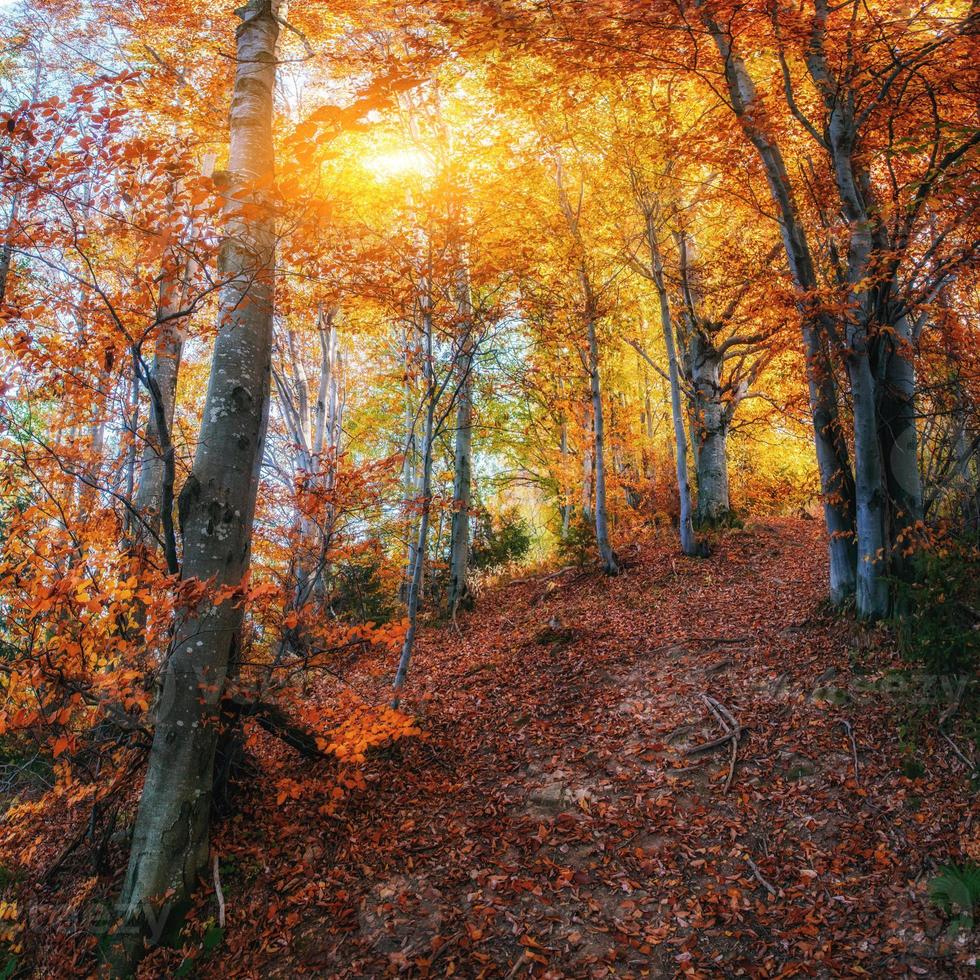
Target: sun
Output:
[(399, 162)]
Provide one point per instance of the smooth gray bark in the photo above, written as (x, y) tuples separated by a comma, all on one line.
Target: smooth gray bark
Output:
[(712, 421), (156, 459), (689, 544), (565, 504), (417, 564), (587, 442), (710, 416), (880, 368), (609, 561), (459, 542), (872, 587), (899, 435), (590, 315), (170, 838)]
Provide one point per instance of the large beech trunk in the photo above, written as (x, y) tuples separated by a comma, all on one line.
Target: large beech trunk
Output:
[(872, 588), (879, 361), (170, 839), (711, 413)]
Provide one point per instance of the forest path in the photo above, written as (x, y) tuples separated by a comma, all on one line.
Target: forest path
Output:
[(550, 822)]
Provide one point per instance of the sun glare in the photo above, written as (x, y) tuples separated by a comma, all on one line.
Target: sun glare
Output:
[(399, 162)]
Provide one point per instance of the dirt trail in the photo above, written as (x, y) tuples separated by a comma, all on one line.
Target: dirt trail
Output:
[(552, 821)]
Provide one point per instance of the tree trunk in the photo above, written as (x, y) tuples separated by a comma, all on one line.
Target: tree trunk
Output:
[(899, 441), (565, 504), (129, 465), (606, 553), (872, 588), (168, 346), (7, 248), (711, 458), (836, 479), (170, 839), (587, 440), (419, 550), (410, 483), (689, 544), (459, 547), (686, 524)]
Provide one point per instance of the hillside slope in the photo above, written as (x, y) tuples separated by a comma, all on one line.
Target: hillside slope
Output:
[(551, 820)]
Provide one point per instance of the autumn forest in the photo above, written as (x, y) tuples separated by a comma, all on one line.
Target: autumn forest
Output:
[(489, 488)]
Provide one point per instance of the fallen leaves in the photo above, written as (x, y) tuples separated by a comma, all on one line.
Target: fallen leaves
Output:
[(427, 852)]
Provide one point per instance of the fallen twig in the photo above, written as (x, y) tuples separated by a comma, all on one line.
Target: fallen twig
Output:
[(713, 708), (854, 751), (218, 893), (951, 710), (708, 746), (444, 948), (956, 749), (731, 765), (732, 730), (516, 966), (757, 874)]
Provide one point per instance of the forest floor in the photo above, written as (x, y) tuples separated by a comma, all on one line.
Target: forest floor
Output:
[(551, 822)]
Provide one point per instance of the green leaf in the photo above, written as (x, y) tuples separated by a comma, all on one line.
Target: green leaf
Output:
[(212, 938)]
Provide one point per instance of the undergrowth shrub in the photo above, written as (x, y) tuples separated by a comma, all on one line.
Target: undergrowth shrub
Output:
[(940, 612), (360, 592), (578, 543), (500, 540), (956, 892), (937, 625)]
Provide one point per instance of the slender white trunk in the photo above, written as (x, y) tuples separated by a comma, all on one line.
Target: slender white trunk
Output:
[(418, 553), (689, 545), (459, 548), (158, 449), (608, 557), (587, 440), (565, 503)]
